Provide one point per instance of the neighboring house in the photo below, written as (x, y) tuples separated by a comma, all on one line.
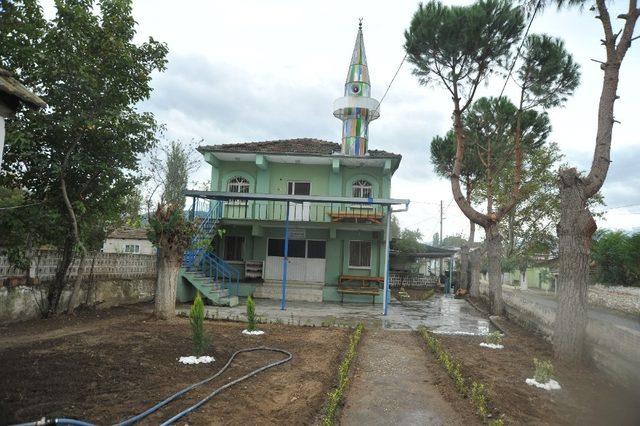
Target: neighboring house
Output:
[(128, 240), (12, 94), (321, 205)]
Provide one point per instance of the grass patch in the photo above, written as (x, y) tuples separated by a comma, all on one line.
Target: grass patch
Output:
[(336, 396), (476, 391)]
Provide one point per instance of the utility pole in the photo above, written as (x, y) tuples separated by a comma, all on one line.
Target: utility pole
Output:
[(440, 242)]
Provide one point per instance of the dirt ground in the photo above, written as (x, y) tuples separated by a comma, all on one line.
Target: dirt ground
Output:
[(413, 293), (106, 366), (587, 396)]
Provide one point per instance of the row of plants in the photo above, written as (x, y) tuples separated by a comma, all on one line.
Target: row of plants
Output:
[(336, 396), (476, 392)]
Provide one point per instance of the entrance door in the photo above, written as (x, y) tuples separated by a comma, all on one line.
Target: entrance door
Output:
[(306, 261), (299, 211)]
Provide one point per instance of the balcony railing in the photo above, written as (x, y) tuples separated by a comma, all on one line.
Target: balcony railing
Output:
[(278, 211)]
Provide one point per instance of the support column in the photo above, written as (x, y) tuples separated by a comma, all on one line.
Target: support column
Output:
[(386, 262), (285, 260)]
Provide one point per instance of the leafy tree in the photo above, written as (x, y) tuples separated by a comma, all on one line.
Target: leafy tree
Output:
[(79, 158), (458, 47), (172, 234), (251, 314), (616, 256), (577, 225), (409, 241), (170, 166)]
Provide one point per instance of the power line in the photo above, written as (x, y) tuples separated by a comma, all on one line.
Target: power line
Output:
[(533, 15), (390, 83), (20, 206)]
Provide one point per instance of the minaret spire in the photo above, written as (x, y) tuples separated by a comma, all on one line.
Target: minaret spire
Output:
[(356, 108)]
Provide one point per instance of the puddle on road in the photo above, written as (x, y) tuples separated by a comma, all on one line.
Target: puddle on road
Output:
[(441, 314)]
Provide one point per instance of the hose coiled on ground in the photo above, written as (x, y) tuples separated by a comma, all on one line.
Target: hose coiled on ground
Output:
[(138, 417)]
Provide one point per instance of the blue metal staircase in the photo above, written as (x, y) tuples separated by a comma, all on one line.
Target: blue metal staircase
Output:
[(214, 278)]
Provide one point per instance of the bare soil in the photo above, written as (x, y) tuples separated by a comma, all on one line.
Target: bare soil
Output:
[(587, 396), (107, 366), (413, 293)]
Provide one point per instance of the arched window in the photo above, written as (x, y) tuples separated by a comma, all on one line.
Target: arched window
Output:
[(238, 184), (362, 189)]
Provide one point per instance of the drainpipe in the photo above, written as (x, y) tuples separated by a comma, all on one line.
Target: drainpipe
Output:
[(450, 274), (285, 260)]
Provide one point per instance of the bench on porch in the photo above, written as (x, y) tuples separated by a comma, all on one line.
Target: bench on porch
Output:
[(365, 287), (370, 216)]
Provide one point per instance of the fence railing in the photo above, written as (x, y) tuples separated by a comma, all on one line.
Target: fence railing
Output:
[(107, 265), (270, 210)]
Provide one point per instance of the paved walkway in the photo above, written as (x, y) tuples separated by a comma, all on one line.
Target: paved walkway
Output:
[(440, 314), (392, 385)]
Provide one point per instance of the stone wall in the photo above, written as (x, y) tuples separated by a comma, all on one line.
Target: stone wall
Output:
[(613, 343), (402, 279), (623, 299), (109, 279)]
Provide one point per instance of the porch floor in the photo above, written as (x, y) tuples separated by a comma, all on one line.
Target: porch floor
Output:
[(440, 313)]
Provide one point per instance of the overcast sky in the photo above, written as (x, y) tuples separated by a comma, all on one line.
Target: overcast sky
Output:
[(244, 71)]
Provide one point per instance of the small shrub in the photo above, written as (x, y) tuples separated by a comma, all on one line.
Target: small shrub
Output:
[(196, 318), (544, 371), (335, 397), (251, 314), (494, 338), (479, 399)]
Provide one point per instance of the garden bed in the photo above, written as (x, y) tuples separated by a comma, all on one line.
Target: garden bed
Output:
[(586, 397), (106, 368)]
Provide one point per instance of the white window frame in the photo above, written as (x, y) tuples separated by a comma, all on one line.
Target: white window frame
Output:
[(135, 248), (356, 185), (244, 184), (370, 254)]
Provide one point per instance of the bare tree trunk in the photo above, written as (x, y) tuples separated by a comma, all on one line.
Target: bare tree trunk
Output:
[(166, 287), (56, 287), (474, 264), (577, 225), (494, 254), (575, 230), (464, 266), (74, 300)]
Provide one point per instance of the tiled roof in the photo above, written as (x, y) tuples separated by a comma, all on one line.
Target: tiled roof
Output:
[(129, 234), (13, 87), (301, 146)]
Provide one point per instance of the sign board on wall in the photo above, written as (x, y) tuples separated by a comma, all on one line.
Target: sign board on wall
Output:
[(297, 234)]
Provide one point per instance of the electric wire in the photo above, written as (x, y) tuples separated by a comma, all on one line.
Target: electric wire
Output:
[(390, 83)]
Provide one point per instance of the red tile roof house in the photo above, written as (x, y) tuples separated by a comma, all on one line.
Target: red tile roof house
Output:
[(297, 219)]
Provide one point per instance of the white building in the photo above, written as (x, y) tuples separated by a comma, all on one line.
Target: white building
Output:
[(128, 240)]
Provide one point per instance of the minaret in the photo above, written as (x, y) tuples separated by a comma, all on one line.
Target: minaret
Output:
[(356, 108)]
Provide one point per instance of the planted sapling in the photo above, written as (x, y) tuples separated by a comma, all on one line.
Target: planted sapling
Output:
[(543, 375), (200, 340), (251, 318)]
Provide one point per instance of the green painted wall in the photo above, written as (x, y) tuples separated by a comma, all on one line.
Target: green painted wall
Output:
[(325, 179)]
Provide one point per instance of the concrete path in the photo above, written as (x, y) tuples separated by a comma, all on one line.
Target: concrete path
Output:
[(392, 385), (440, 314)]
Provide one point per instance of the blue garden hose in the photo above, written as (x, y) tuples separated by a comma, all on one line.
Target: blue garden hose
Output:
[(138, 417)]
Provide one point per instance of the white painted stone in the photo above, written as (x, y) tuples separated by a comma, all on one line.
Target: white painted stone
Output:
[(196, 360), (550, 385)]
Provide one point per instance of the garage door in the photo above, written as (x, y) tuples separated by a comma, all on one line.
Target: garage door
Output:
[(306, 260)]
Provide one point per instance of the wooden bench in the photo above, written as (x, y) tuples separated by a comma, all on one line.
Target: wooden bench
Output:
[(364, 289), (371, 217)]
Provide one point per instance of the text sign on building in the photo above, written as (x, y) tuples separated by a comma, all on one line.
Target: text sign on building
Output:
[(297, 234)]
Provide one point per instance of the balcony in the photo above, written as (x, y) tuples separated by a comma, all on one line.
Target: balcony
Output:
[(292, 208)]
